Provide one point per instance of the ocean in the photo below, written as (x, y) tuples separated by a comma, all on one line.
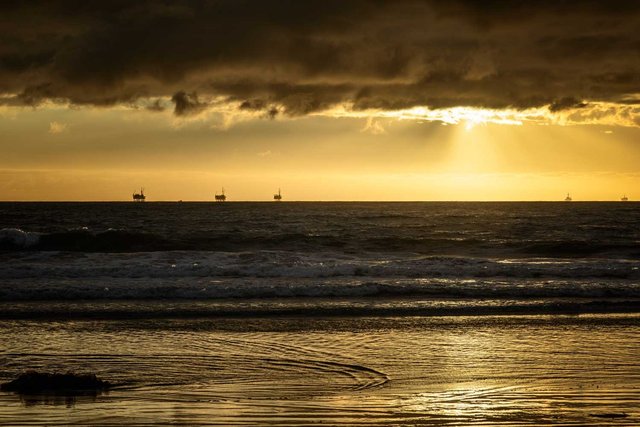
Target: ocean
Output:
[(316, 312)]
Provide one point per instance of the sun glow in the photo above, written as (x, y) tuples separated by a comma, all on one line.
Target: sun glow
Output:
[(592, 113), (448, 116)]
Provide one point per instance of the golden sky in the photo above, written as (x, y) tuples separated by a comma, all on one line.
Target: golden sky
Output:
[(331, 100), (104, 154)]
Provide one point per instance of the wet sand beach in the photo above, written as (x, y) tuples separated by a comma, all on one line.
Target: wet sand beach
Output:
[(443, 370)]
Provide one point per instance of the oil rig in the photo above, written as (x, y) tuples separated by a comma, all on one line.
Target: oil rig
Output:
[(277, 197), (568, 198), (221, 197), (139, 197)]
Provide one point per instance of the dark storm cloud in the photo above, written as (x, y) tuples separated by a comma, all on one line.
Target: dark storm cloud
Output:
[(566, 104), (272, 112), (187, 104), (298, 57)]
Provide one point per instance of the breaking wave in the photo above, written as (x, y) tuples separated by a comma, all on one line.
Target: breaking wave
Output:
[(372, 251), (285, 264), (207, 289), (123, 240)]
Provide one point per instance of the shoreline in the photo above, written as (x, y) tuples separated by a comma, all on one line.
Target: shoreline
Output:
[(309, 307)]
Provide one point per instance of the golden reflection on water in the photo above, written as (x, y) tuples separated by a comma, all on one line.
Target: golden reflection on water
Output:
[(532, 370)]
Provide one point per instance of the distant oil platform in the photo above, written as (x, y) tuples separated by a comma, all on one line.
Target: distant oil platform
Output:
[(221, 197), (139, 197), (277, 197)]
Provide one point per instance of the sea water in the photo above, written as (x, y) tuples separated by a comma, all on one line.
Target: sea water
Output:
[(302, 313)]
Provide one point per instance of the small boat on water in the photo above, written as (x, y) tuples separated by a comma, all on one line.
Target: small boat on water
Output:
[(221, 197), (568, 198), (139, 197), (624, 198), (277, 197)]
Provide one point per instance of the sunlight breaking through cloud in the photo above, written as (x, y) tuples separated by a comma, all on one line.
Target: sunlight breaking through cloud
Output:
[(222, 112), (597, 113)]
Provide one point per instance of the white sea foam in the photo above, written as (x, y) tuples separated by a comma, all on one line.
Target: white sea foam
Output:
[(284, 264)]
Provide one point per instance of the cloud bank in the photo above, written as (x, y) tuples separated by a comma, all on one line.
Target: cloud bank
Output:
[(578, 59)]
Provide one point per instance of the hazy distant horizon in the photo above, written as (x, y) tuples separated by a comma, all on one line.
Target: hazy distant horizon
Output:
[(320, 201)]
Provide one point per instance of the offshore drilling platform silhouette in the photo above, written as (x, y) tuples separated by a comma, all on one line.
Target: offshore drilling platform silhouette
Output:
[(221, 197), (139, 197)]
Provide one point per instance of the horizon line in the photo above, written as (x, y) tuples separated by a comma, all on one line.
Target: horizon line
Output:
[(321, 201)]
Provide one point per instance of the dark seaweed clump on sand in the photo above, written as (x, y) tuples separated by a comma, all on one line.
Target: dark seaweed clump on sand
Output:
[(32, 382)]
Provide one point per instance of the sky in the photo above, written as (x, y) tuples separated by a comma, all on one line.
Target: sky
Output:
[(327, 100)]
